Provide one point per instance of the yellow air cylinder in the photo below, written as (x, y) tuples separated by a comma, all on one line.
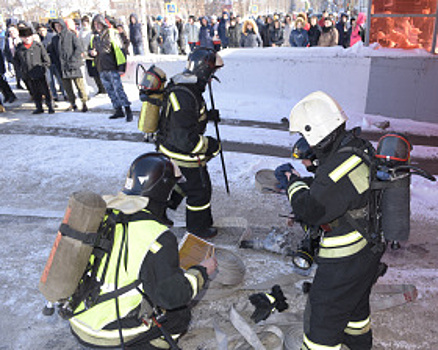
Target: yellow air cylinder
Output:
[(69, 256)]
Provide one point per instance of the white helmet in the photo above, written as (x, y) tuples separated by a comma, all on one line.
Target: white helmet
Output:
[(316, 116)]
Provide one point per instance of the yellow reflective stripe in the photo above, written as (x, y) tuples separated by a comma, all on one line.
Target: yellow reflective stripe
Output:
[(179, 156), (194, 208), (270, 297), (314, 346), (359, 177), (345, 168), (193, 282), (341, 252), (155, 247), (295, 187), (349, 238), (203, 142), (174, 102), (107, 334), (358, 328)]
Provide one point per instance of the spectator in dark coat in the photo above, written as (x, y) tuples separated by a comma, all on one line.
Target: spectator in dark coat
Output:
[(224, 24), (181, 37), (11, 44), (266, 31), (205, 39), (52, 73), (66, 52), (6, 90), (233, 34), (276, 37), (250, 36), (153, 35), (34, 60), (314, 31), (214, 33), (135, 35), (341, 26), (299, 36)]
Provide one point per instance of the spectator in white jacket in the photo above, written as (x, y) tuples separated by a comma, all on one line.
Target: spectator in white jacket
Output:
[(191, 31)]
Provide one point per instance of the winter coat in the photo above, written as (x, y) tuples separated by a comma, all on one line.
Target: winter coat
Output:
[(153, 36), (191, 31), (314, 33), (276, 36), (264, 33), (181, 37), (108, 45), (169, 34), (343, 34), (205, 39), (250, 38), (33, 61), (2, 63), (329, 37), (222, 31), (234, 34), (135, 34), (66, 52), (214, 33), (299, 38)]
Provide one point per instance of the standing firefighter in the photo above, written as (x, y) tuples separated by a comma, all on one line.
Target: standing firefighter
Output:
[(143, 293), (349, 255), (181, 138)]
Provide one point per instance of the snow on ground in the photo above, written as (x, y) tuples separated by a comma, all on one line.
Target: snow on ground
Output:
[(40, 172)]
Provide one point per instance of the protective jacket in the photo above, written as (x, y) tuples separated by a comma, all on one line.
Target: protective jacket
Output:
[(144, 255), (339, 311), (341, 185), (181, 130)]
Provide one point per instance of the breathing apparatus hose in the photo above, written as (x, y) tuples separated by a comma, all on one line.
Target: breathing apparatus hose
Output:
[(416, 171)]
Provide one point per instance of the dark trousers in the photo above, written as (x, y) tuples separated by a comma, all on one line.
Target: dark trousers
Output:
[(339, 298), (92, 72), (39, 88), (5, 88), (197, 189), (68, 87)]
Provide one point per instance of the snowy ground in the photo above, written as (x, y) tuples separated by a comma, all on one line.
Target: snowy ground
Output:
[(39, 173)]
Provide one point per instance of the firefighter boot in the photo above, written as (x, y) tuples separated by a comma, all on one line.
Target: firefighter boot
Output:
[(49, 104)]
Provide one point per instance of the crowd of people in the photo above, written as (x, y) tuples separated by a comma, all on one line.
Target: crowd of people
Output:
[(50, 59)]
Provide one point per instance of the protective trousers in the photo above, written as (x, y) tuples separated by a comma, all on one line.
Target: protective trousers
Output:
[(338, 311), (197, 188)]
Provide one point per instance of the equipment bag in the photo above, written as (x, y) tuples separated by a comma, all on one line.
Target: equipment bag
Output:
[(74, 243)]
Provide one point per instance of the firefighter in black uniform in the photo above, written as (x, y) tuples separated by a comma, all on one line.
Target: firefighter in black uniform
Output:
[(181, 138), (338, 311), (144, 255)]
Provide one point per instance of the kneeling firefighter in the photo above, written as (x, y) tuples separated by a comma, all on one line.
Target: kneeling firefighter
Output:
[(181, 137), (338, 311), (142, 288)]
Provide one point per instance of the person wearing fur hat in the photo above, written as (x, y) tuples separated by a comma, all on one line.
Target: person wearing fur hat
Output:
[(299, 36), (106, 48), (33, 60), (66, 52), (250, 35)]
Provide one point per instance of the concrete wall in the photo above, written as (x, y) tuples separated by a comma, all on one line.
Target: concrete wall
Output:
[(398, 84), (404, 87)]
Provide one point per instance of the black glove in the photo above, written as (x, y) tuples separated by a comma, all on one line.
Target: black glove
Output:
[(213, 147), (213, 115), (266, 303)]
